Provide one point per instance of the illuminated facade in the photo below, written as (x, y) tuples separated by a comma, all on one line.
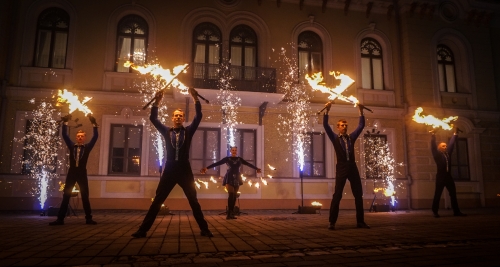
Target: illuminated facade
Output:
[(403, 54)]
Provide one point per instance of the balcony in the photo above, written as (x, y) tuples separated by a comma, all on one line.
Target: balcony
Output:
[(250, 79)]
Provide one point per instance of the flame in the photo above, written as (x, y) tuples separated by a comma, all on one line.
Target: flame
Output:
[(257, 185), (316, 203), (270, 177), (243, 177), (271, 167), (264, 181), (213, 180), (165, 74), (315, 81), (388, 192), (197, 184), (250, 183), (203, 182), (67, 97), (433, 121)]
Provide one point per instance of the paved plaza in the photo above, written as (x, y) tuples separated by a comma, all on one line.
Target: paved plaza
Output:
[(259, 238)]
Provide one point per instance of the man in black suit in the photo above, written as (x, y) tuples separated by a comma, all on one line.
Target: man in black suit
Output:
[(442, 156), (78, 155), (346, 168), (177, 167)]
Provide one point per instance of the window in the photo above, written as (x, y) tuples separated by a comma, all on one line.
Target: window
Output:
[(314, 158), (125, 149), (131, 43), (207, 43), (460, 161), (375, 150), (246, 141), (243, 48), (205, 149), (372, 71), (446, 69), (51, 39), (310, 48)]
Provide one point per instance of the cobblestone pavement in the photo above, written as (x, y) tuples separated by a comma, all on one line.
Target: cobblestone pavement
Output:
[(259, 238)]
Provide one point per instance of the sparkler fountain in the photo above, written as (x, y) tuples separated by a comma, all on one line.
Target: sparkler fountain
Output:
[(42, 143), (380, 164), (229, 102), (296, 124)]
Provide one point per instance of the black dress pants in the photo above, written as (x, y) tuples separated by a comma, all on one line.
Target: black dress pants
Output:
[(347, 171), (83, 183), (442, 181), (183, 176)]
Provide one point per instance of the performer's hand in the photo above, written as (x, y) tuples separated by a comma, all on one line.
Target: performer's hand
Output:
[(457, 130), (361, 107), (66, 118), (203, 170), (328, 105), (158, 97), (259, 171), (92, 119), (193, 93)]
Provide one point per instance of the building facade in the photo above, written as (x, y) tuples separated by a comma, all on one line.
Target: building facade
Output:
[(403, 54)]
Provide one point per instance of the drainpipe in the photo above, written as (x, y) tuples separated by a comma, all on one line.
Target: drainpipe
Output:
[(403, 100)]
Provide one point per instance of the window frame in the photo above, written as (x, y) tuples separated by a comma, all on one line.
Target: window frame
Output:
[(455, 158), (308, 36), (63, 15), (372, 135), (241, 147), (244, 70), (121, 24), (205, 161), (125, 149), (374, 45), (442, 63), (310, 150)]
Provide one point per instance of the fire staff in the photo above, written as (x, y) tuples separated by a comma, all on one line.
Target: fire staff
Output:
[(232, 180), (442, 156), (346, 168), (78, 155), (177, 167)]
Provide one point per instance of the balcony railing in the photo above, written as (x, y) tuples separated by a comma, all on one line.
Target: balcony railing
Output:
[(253, 79)]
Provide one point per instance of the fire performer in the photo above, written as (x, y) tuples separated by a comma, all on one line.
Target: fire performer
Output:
[(442, 157), (232, 180), (177, 167), (78, 155), (346, 168)]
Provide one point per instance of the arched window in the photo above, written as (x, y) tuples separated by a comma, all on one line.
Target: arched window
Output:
[(207, 43), (243, 49), (446, 69), (310, 49), (131, 42), (51, 39), (372, 68)]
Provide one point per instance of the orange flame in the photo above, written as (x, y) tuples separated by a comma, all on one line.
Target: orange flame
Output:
[(67, 97), (316, 203), (387, 191), (433, 121), (203, 182), (271, 167), (315, 81), (165, 74)]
